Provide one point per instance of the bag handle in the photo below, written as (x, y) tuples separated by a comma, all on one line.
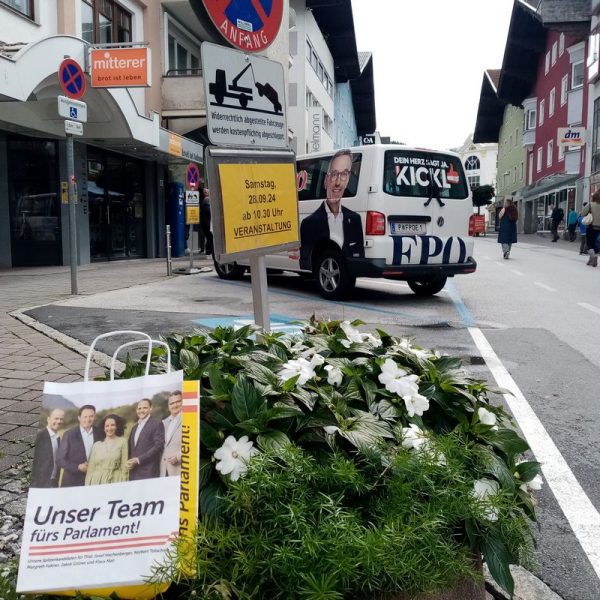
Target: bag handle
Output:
[(88, 359), (137, 343)]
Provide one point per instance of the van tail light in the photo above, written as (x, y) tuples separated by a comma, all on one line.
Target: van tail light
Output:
[(375, 223)]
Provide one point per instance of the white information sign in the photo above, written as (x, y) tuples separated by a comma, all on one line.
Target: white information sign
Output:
[(75, 110), (245, 98), (73, 128), (192, 197)]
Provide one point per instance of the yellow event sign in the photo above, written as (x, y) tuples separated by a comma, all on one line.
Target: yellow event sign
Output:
[(259, 205), (192, 215)]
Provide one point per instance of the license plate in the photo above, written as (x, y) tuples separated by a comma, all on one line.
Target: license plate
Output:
[(408, 228)]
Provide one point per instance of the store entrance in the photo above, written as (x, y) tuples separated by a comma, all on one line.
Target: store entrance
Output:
[(116, 206), (34, 204)]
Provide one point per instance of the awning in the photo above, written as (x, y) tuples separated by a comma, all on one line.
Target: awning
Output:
[(551, 183)]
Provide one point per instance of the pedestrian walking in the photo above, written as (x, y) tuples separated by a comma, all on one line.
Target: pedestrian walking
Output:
[(582, 232), (572, 224), (205, 220), (556, 218), (593, 228), (507, 233)]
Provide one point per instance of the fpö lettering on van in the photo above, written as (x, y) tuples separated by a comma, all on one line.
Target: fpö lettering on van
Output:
[(428, 250)]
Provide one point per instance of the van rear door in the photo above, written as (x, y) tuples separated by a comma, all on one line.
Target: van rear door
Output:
[(427, 206)]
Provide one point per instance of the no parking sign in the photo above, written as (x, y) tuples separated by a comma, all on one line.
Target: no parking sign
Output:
[(71, 78), (192, 176)]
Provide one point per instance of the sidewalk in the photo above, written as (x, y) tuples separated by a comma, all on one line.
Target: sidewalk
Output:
[(28, 358)]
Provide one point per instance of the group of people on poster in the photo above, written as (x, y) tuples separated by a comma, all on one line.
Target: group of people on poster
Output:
[(93, 453)]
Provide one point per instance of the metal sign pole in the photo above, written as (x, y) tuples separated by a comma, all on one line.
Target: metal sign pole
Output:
[(72, 214), (191, 247), (260, 292)]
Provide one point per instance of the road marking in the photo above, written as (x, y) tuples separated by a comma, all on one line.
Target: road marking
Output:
[(544, 286), (517, 272), (573, 501), (589, 307), (461, 307)]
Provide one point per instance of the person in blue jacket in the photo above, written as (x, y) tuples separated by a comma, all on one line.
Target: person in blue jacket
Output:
[(572, 224)]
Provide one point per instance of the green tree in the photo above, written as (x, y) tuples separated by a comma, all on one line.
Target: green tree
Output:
[(482, 196)]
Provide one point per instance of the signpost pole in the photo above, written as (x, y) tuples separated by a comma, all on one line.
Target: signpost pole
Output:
[(260, 293), (191, 246), (72, 214)]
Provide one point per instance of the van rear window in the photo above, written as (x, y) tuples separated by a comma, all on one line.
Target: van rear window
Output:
[(422, 174)]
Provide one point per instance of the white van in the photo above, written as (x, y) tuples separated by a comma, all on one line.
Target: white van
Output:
[(378, 211)]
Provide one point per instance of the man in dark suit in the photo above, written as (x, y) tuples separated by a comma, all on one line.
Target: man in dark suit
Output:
[(146, 443), (75, 448), (332, 220), (44, 472)]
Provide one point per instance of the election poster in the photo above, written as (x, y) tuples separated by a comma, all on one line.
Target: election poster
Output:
[(113, 484)]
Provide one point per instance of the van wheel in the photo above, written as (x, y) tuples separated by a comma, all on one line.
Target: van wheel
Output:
[(427, 287), (229, 270), (331, 273)]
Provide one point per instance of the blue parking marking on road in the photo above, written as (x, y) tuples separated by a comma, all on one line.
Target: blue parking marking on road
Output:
[(278, 322), (383, 311), (461, 307)]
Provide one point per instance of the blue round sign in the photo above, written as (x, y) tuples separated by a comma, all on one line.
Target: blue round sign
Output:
[(71, 78), (192, 175)]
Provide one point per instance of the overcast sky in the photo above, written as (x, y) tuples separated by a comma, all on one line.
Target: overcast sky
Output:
[(429, 58)]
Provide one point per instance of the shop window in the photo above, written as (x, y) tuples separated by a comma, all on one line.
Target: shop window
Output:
[(105, 22), (25, 7)]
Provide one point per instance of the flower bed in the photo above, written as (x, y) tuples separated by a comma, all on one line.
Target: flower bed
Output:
[(339, 464)]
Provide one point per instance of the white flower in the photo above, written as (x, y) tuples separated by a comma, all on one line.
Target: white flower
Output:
[(416, 404), (331, 429), (334, 375), (299, 366), (482, 490), (535, 484), (317, 360), (352, 334), (390, 372), (486, 417), (233, 456), (418, 352), (404, 386), (412, 437), (374, 341)]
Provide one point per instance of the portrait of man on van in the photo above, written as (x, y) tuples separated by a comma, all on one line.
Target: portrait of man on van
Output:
[(332, 220)]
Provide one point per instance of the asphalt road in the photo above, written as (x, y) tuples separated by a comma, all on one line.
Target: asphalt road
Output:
[(539, 311)]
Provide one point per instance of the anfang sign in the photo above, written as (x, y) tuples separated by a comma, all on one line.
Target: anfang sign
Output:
[(250, 25), (120, 67)]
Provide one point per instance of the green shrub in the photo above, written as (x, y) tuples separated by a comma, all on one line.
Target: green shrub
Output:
[(339, 464)]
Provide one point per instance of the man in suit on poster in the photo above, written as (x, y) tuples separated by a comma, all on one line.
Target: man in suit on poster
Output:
[(45, 471), (146, 443), (170, 463), (332, 220), (75, 447)]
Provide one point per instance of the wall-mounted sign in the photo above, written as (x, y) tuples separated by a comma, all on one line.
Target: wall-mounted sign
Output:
[(571, 136), (315, 116), (250, 25), (120, 67), (245, 97)]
